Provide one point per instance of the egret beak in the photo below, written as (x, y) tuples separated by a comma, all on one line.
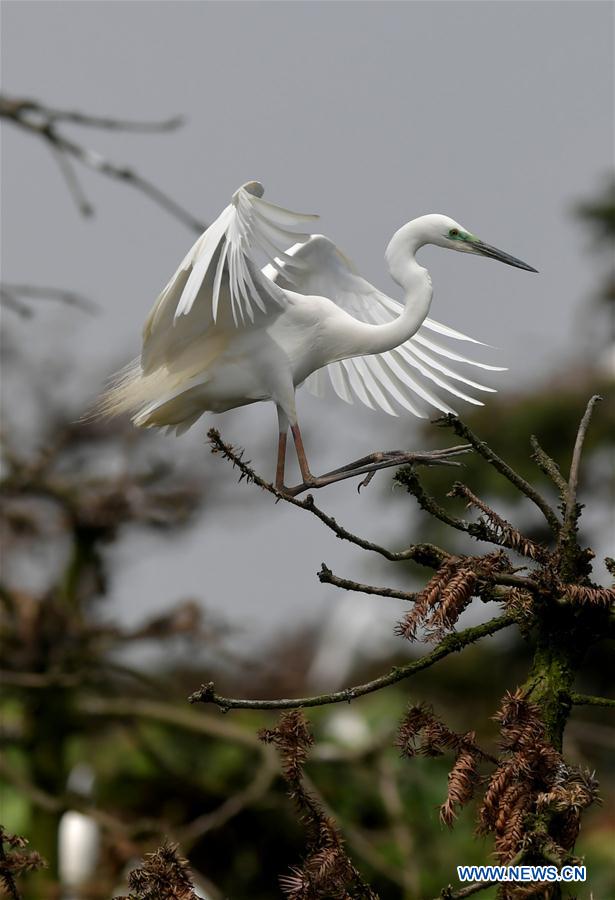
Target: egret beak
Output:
[(494, 253)]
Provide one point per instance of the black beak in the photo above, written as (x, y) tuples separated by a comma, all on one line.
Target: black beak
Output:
[(493, 253)]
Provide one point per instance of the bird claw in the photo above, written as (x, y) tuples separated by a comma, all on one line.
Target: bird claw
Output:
[(374, 462), (366, 480)]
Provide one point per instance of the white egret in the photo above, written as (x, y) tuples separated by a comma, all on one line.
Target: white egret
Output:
[(224, 333)]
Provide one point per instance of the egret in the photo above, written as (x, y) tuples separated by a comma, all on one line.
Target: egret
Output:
[(225, 333)]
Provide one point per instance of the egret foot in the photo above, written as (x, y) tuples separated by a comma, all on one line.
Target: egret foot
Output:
[(373, 462)]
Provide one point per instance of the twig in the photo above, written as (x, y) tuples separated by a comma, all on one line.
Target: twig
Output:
[(326, 576), (28, 107), (450, 421), (410, 480), (42, 121), (450, 644), (588, 700), (571, 512), (425, 554), (12, 296), (449, 894), (72, 183), (549, 467)]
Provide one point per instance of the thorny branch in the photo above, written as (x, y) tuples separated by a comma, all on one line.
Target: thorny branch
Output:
[(494, 528), (326, 869), (450, 644), (45, 122), (425, 554)]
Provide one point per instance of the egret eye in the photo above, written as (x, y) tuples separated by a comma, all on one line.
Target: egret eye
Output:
[(454, 232)]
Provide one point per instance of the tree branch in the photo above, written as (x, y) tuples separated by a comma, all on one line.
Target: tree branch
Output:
[(13, 296), (450, 421), (588, 700), (571, 511), (549, 467), (425, 554), (34, 108), (468, 891), (450, 644), (41, 121), (326, 576)]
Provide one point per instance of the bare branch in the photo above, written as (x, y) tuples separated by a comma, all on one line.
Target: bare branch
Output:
[(42, 121), (588, 700), (549, 467), (475, 888), (326, 576), (450, 644), (13, 296), (450, 421), (571, 513), (34, 108), (72, 183)]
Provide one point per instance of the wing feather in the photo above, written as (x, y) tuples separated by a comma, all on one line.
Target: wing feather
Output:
[(383, 380)]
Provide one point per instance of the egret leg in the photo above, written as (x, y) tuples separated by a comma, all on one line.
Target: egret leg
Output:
[(279, 472), (307, 476)]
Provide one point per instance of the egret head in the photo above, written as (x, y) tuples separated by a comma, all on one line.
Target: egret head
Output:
[(445, 232)]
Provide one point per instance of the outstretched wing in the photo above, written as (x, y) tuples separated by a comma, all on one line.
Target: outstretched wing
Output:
[(219, 282), (415, 369)]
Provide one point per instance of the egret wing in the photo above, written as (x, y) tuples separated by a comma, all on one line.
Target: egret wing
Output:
[(218, 285), (415, 370)]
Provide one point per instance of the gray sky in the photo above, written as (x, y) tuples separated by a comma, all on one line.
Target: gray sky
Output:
[(499, 114)]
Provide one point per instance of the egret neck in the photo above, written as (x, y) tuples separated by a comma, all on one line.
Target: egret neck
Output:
[(416, 283)]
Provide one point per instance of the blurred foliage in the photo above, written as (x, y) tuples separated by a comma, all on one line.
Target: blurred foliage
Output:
[(599, 214)]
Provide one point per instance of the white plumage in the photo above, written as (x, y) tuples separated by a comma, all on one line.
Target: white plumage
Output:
[(224, 332)]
